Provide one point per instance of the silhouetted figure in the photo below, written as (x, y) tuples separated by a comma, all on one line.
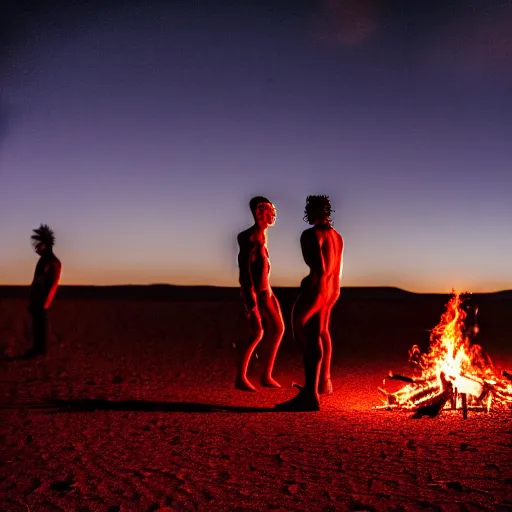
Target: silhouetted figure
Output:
[(43, 288), (261, 305), (322, 249)]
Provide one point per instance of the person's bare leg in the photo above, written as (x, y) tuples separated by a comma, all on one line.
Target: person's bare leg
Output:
[(256, 334), (313, 356), (325, 384), (299, 315), (298, 326), (274, 330), (308, 398)]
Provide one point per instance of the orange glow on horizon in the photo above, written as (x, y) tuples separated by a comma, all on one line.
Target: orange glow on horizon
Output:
[(101, 280), (20, 274)]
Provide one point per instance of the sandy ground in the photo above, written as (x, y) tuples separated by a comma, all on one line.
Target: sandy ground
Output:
[(134, 410)]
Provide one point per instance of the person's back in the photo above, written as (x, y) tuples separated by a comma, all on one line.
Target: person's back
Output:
[(331, 252), (45, 274), (322, 248)]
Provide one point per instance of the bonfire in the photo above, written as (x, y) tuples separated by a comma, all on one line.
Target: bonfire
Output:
[(454, 373)]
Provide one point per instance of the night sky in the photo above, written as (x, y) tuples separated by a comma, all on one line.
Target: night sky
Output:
[(140, 130)]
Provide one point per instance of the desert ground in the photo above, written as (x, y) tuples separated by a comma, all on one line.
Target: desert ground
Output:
[(133, 409)]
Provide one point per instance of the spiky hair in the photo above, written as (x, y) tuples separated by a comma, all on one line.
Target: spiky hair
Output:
[(43, 234), (318, 208)]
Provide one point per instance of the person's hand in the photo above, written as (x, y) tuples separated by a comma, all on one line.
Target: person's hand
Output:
[(254, 320), (249, 310)]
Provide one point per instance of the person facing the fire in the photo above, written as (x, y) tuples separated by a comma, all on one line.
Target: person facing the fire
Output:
[(261, 305), (322, 250), (44, 285)]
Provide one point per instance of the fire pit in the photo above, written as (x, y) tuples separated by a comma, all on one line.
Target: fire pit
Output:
[(455, 374)]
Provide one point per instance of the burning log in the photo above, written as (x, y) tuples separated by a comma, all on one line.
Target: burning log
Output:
[(420, 395), (390, 399), (395, 376), (434, 406), (424, 395), (507, 375), (486, 390), (454, 399), (464, 405)]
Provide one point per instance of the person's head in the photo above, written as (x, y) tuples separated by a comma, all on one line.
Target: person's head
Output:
[(318, 210), (43, 239), (263, 211)]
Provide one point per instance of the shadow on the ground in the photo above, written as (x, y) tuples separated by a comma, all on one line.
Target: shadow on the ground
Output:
[(98, 404)]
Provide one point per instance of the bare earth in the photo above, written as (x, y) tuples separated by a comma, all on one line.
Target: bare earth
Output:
[(133, 409)]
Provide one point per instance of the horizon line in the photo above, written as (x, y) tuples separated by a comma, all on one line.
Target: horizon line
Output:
[(139, 285)]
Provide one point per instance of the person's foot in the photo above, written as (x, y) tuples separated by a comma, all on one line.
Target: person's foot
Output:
[(268, 382), (303, 402), (34, 354), (243, 384), (325, 387)]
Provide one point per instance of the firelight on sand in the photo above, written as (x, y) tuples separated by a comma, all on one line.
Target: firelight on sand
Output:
[(453, 374)]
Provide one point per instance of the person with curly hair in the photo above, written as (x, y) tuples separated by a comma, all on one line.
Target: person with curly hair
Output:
[(261, 305), (44, 286), (322, 250)]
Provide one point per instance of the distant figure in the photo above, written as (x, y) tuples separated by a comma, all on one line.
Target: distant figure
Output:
[(43, 288), (322, 249), (261, 305)]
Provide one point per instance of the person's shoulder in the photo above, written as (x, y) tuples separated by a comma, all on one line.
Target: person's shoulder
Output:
[(308, 233), (338, 234), (56, 262), (339, 241), (244, 236)]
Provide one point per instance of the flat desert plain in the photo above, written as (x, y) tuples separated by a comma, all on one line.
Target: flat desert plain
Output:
[(134, 409)]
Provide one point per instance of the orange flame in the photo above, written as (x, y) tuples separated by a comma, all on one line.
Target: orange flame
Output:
[(453, 361)]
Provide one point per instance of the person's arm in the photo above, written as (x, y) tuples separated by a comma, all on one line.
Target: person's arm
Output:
[(245, 277), (55, 273), (312, 254), (342, 247)]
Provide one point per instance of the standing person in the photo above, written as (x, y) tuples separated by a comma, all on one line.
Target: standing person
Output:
[(44, 285), (261, 305), (322, 250)]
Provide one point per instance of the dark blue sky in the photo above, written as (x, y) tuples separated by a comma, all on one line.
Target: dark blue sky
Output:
[(140, 130)]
